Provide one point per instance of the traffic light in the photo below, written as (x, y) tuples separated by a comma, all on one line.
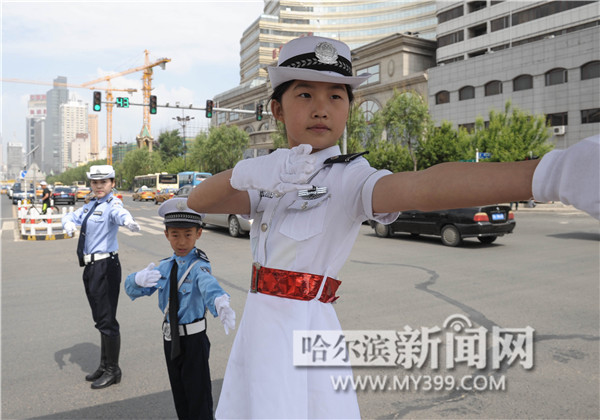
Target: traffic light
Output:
[(209, 108), (153, 105), (259, 111), (97, 101)]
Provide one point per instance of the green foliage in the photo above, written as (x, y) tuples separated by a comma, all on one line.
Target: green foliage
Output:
[(407, 120), (70, 176), (391, 156), (139, 162), (356, 130), (444, 144), (170, 145), (194, 159), (223, 149), (279, 138)]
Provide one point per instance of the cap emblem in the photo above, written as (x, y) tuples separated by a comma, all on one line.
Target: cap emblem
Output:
[(181, 206), (326, 53)]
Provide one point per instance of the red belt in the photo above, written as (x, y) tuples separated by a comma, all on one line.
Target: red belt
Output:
[(291, 284)]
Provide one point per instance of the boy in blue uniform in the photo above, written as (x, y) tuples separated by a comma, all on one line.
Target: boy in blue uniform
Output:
[(186, 290)]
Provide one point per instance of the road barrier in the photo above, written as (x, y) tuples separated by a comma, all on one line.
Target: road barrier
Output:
[(35, 226)]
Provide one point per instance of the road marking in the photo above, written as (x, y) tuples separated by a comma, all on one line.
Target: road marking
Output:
[(151, 225)]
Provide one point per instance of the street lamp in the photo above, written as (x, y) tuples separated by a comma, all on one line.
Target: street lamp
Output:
[(183, 120)]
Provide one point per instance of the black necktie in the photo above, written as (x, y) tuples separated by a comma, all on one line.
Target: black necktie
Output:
[(173, 309), (81, 242)]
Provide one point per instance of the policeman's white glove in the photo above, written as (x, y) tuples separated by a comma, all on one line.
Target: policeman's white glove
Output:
[(148, 277), (571, 176), (131, 225), (282, 171), (226, 314), (69, 227)]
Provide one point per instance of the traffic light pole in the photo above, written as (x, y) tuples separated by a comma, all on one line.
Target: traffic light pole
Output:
[(238, 111)]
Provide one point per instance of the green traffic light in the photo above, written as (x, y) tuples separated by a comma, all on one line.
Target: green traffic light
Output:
[(96, 107)]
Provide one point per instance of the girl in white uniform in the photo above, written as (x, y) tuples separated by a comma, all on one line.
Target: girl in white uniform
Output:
[(308, 203)]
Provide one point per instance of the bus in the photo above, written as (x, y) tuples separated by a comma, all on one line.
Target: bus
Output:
[(193, 178), (156, 182)]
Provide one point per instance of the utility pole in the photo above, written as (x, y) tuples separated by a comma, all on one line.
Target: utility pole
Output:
[(182, 121)]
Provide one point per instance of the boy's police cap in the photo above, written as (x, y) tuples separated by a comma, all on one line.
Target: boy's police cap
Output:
[(176, 213)]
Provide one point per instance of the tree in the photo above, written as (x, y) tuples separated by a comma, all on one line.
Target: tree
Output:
[(511, 135), (139, 162), (443, 144), (223, 149), (279, 138), (170, 145), (407, 120), (356, 130)]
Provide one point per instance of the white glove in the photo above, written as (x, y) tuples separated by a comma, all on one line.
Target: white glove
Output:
[(69, 227), (571, 176), (148, 277), (226, 314), (282, 171), (131, 225)]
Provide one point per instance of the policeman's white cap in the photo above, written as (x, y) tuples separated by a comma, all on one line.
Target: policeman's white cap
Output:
[(101, 172), (176, 213), (315, 59)]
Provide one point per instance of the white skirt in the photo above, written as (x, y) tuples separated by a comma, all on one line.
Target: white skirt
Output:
[(261, 381)]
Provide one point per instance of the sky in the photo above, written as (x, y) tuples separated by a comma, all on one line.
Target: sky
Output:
[(85, 40)]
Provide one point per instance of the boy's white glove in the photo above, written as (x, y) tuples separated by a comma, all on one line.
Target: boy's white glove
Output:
[(226, 314), (282, 171), (148, 277), (69, 227), (131, 225), (571, 176)]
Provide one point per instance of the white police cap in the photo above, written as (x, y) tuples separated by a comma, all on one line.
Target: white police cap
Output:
[(176, 213), (101, 172)]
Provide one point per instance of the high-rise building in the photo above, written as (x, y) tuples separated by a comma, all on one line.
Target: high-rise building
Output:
[(93, 130), (55, 97), (543, 56), (73, 118), (354, 22), (36, 111), (14, 159)]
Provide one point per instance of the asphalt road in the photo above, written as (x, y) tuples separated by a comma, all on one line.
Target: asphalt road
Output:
[(544, 276)]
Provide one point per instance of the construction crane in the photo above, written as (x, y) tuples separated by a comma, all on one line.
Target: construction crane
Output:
[(146, 89), (108, 91)]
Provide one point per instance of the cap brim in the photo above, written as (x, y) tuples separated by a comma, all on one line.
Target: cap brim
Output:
[(279, 75), (183, 224)]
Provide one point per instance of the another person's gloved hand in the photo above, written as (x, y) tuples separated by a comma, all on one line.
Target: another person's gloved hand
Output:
[(148, 277), (226, 314), (69, 227), (571, 176), (282, 171), (131, 225)]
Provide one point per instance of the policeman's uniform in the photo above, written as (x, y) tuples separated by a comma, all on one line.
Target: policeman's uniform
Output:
[(189, 372), (102, 272)]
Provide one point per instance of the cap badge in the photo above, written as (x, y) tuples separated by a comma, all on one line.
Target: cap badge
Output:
[(326, 53), (181, 206)]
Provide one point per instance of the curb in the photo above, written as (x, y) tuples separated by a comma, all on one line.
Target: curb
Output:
[(45, 237)]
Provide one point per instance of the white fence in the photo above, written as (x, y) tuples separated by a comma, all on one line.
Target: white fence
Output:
[(33, 222)]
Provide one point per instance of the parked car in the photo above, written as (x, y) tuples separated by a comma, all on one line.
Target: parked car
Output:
[(184, 191), (164, 195), (62, 194), (143, 194), (91, 195), (82, 192), (486, 223), (4, 189), (19, 195)]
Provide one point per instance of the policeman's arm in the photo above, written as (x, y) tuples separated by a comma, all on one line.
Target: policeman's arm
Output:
[(216, 195), (454, 185)]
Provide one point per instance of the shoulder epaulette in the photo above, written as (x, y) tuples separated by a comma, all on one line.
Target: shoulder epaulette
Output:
[(344, 158), (110, 199), (165, 258), (201, 255)]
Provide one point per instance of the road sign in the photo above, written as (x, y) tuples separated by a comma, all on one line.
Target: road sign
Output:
[(484, 155), (22, 174)]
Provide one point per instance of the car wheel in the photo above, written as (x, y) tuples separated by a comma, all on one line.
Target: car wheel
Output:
[(381, 230), (234, 227), (451, 236), (487, 239)]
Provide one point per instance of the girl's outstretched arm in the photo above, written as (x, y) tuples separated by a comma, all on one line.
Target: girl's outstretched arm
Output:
[(454, 185), (216, 195)]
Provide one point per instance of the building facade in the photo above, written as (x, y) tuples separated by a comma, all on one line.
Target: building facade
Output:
[(36, 111), (93, 131), (542, 56), (55, 97), (73, 118), (14, 160), (354, 22)]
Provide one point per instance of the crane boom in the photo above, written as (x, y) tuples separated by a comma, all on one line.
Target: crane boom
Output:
[(37, 82)]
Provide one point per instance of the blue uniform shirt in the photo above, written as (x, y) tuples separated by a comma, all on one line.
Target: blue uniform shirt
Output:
[(197, 293), (103, 224)]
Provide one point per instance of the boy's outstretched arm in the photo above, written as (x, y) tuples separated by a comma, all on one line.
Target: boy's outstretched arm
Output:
[(454, 185), (216, 195)]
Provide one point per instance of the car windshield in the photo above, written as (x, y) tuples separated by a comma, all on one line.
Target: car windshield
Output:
[(62, 190)]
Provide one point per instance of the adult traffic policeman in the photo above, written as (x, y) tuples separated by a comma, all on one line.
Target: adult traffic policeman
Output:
[(97, 252)]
